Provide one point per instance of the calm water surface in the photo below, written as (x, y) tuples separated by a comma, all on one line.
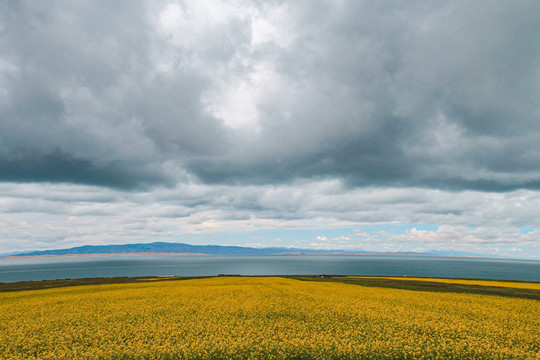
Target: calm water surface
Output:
[(200, 265)]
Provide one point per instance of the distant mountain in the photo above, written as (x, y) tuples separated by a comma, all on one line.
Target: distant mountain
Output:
[(175, 248), (13, 253), (164, 247)]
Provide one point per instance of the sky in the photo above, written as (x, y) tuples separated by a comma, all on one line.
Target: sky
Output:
[(382, 126)]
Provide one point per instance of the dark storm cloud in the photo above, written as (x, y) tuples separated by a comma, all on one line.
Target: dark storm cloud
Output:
[(439, 95), (401, 94), (83, 103), (59, 167)]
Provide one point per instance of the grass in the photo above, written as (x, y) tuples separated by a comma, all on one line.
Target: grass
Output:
[(52, 284)]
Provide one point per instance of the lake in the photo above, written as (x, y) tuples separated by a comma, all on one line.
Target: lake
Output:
[(203, 265)]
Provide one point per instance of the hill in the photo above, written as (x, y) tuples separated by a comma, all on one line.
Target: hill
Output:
[(173, 248)]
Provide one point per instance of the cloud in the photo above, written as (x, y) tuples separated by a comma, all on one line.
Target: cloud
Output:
[(60, 167), (428, 95), (431, 98), (205, 117), (86, 101), (483, 240), (445, 239), (61, 215)]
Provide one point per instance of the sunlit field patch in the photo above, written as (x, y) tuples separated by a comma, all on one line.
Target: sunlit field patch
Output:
[(497, 283), (161, 278), (263, 318)]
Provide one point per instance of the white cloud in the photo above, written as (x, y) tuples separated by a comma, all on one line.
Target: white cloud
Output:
[(272, 25), (46, 215), (448, 237), (360, 233)]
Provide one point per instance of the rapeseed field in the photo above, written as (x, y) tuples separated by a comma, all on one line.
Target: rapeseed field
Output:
[(263, 318)]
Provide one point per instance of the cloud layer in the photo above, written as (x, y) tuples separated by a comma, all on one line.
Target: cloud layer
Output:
[(439, 96), (347, 112)]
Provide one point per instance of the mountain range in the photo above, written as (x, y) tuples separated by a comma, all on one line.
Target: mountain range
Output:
[(177, 248)]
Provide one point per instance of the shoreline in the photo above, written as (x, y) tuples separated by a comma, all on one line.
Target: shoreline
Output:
[(293, 253), (15, 257)]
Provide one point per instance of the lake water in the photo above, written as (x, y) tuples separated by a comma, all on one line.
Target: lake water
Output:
[(203, 265)]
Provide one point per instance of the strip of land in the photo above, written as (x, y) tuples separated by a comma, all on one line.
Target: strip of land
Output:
[(490, 283), (427, 284), (17, 257), (526, 290)]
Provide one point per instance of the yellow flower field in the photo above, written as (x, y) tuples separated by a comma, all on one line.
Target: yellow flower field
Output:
[(263, 318)]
